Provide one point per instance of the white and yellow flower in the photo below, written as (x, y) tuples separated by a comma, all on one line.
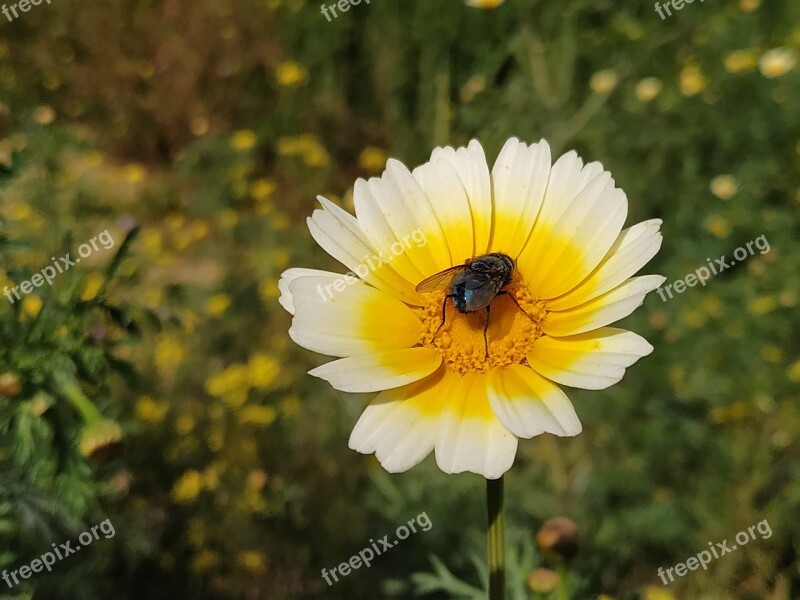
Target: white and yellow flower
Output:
[(561, 222)]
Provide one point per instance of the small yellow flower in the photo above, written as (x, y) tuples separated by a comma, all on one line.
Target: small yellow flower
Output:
[(306, 146), (372, 159), (291, 74), (269, 290), (19, 211), (152, 242), (262, 189), (134, 173), (793, 372), (749, 6), (740, 60), (217, 304), (184, 424), (762, 305), (188, 487), (262, 370), (150, 411), (692, 81), (257, 415), (603, 82), (44, 115), (91, 286), (777, 62), (648, 88), (31, 305), (724, 186), (169, 352), (654, 593), (771, 354), (244, 140), (718, 225), (252, 561)]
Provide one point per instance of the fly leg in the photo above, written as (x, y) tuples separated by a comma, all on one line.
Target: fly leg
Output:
[(444, 314), (514, 300), (485, 337)]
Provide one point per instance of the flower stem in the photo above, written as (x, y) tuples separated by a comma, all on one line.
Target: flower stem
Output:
[(496, 540)]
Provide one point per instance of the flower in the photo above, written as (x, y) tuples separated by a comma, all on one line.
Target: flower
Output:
[(648, 88), (244, 140), (443, 386), (692, 81), (777, 62), (740, 60), (724, 186), (291, 74), (603, 82), (31, 305)]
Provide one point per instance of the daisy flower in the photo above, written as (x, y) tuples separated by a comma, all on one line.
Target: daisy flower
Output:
[(443, 386)]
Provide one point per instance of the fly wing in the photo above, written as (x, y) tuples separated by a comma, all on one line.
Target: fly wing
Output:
[(480, 291), (440, 280)]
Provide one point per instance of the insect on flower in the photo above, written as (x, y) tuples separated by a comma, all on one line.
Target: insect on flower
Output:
[(473, 286), (536, 243)]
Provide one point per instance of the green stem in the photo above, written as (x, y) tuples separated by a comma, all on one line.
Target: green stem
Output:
[(562, 581), (496, 539)]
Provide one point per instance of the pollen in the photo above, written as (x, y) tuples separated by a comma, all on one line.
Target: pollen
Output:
[(510, 335)]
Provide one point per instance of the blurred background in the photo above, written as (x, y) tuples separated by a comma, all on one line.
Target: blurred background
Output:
[(154, 383)]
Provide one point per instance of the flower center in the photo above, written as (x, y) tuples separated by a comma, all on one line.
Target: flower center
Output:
[(460, 340)]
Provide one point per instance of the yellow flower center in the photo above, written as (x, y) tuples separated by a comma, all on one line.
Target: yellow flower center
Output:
[(460, 340)]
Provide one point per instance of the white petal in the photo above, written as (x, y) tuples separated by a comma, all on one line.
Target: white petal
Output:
[(290, 275), (340, 235), (379, 371), (603, 310), (632, 250), (592, 361), (470, 437), (473, 171), (337, 318), (528, 405), (448, 197), (394, 207), (519, 179), (399, 426), (562, 255)]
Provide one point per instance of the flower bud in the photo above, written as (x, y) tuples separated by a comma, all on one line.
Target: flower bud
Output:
[(9, 385), (558, 538), (542, 581)]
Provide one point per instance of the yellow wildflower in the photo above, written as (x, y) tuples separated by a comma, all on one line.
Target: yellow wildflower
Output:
[(91, 286), (648, 88), (31, 305), (217, 304), (291, 74), (603, 82), (692, 81), (777, 62), (262, 370), (257, 415), (244, 140), (724, 186), (188, 487), (740, 60), (372, 159), (150, 411)]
